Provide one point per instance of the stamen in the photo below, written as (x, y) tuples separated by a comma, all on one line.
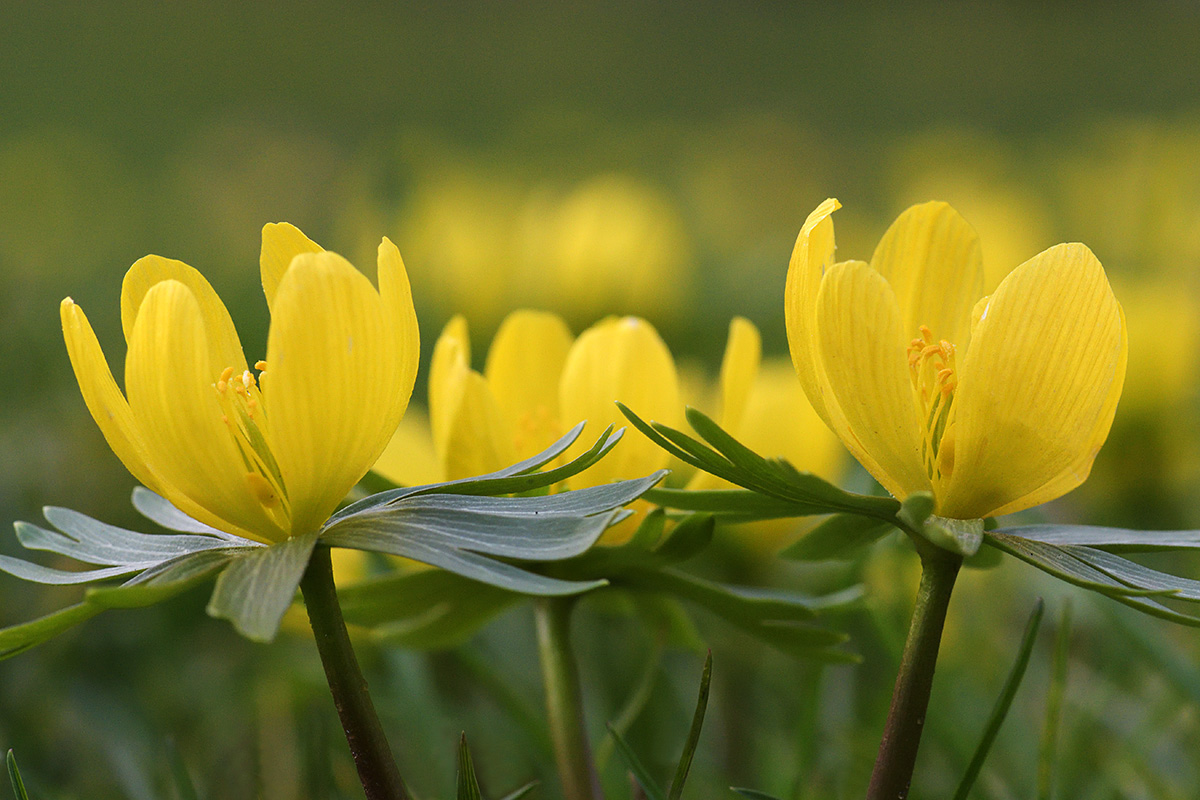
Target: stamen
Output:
[(934, 380), (260, 365), (242, 412)]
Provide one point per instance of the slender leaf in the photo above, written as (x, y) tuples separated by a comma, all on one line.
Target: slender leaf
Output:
[(686, 539), (693, 738), (740, 505), (36, 573), (1048, 747), (1136, 575), (1003, 702), (462, 562), (160, 510), (636, 768), (514, 479), (1115, 539), (518, 793), (14, 775), (468, 784), (182, 779), (752, 794), (837, 537), (634, 705), (255, 590)]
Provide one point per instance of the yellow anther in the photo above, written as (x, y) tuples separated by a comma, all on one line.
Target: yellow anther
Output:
[(226, 374), (247, 379), (221, 387), (260, 365)]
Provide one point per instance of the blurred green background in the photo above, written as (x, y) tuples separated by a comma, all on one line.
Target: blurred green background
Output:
[(619, 158)]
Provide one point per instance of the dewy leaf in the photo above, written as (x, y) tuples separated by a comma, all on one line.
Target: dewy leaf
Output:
[(255, 590)]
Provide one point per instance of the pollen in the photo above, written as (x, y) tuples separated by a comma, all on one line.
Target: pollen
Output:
[(244, 416)]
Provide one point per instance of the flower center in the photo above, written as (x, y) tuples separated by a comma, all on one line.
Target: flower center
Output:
[(242, 412), (934, 379)]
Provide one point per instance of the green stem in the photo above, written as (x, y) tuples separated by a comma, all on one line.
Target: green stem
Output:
[(376, 768), (910, 699), (564, 699)]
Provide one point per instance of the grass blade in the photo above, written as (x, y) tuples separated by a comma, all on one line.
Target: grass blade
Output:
[(637, 769), (468, 784), (689, 747), (1003, 702), (1048, 749), (14, 775)]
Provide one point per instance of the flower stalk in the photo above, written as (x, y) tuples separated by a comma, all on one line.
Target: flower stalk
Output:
[(897, 756), (368, 744), (564, 699)]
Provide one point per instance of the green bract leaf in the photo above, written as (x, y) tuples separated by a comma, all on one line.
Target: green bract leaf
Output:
[(516, 479), (735, 505), (837, 537), (255, 590), (14, 776), (727, 458), (1115, 539)]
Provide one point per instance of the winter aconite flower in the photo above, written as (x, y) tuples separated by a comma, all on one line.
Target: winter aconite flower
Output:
[(993, 405), (267, 452)]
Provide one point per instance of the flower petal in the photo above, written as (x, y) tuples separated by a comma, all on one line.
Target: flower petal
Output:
[(739, 367), (102, 396), (812, 255), (169, 377), (524, 365), (451, 354), (224, 346), (619, 359), (331, 380), (931, 258), (862, 353), (395, 297), (1038, 386), (281, 242)]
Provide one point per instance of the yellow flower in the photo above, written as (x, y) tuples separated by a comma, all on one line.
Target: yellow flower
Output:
[(267, 456), (992, 405), (485, 422)]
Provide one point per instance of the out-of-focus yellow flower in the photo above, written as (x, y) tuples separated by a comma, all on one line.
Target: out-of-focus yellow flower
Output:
[(484, 422), (1016, 420), (265, 457), (619, 358), (409, 458), (1164, 340)]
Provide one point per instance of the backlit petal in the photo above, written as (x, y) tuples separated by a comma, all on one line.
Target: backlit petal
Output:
[(739, 366), (331, 379), (620, 359), (404, 341), (102, 396), (451, 355), (524, 365), (862, 350), (812, 255), (224, 346), (281, 242), (931, 258), (1038, 386), (169, 376)]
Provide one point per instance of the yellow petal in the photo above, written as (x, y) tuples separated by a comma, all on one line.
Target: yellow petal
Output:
[(332, 378), (931, 258), (1038, 386), (739, 367), (224, 346), (812, 255), (169, 377), (108, 406), (862, 351), (477, 439), (524, 365), (395, 296), (620, 359), (451, 354), (780, 422), (281, 242)]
